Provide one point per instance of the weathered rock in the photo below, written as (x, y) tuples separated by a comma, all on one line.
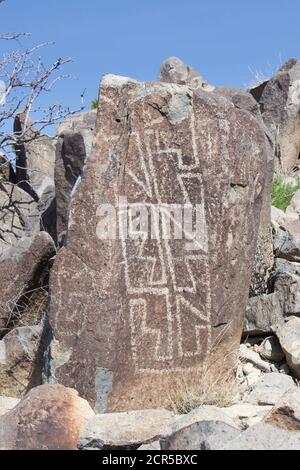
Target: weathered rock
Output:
[(271, 350), (280, 429), (22, 268), (203, 413), (270, 388), (249, 355), (265, 312), (125, 430), (35, 159), (206, 435), (283, 266), (264, 257), (153, 446), (277, 215), (247, 414), (5, 169), (287, 287), (50, 417), (289, 337), (157, 144), (74, 144), (7, 404), (286, 239), (264, 436), (21, 360), (173, 70), (19, 216), (280, 104), (293, 210), (241, 100), (262, 313), (286, 413)]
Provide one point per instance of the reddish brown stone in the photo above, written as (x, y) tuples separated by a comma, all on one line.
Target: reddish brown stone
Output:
[(50, 417), (129, 318)]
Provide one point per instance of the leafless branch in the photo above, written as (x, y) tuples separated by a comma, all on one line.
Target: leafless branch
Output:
[(24, 80)]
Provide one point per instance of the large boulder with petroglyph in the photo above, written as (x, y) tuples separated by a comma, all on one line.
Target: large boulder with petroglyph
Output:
[(134, 310)]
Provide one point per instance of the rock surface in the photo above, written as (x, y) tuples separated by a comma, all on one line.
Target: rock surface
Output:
[(280, 104), (50, 417), (270, 388), (125, 430), (7, 404), (173, 70), (122, 348), (206, 435), (271, 350), (35, 159), (19, 216), (21, 272), (21, 360), (289, 338), (74, 144), (264, 436)]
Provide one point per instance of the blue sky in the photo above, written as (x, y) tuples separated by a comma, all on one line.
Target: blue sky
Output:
[(220, 38)]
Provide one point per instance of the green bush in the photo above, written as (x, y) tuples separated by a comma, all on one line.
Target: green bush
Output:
[(283, 192), (94, 104)]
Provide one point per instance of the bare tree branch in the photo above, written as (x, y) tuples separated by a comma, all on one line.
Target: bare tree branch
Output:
[(25, 80)]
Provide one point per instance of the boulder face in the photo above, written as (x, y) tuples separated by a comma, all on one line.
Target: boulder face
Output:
[(131, 313), (50, 417), (22, 270), (19, 216), (279, 100), (35, 159), (173, 70), (74, 144)]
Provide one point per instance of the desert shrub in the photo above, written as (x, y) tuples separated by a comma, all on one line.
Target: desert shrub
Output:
[(283, 192), (94, 104)]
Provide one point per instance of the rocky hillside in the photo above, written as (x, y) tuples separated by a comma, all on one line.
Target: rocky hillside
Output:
[(150, 292)]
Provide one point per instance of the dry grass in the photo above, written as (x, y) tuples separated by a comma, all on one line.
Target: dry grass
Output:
[(207, 389), (25, 309), (213, 385)]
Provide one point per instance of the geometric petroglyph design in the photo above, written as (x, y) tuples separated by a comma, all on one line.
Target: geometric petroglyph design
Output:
[(167, 281)]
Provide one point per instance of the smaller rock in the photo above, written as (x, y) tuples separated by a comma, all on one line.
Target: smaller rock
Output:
[(7, 404), (270, 388), (282, 266), (262, 313), (127, 430), (293, 209), (248, 368), (264, 436), (251, 356), (173, 70), (286, 241), (271, 350), (289, 338), (247, 414), (22, 268), (277, 215), (21, 360), (50, 417), (206, 435), (286, 413), (152, 446), (253, 378)]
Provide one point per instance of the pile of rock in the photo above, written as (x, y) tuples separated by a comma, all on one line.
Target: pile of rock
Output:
[(54, 417)]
